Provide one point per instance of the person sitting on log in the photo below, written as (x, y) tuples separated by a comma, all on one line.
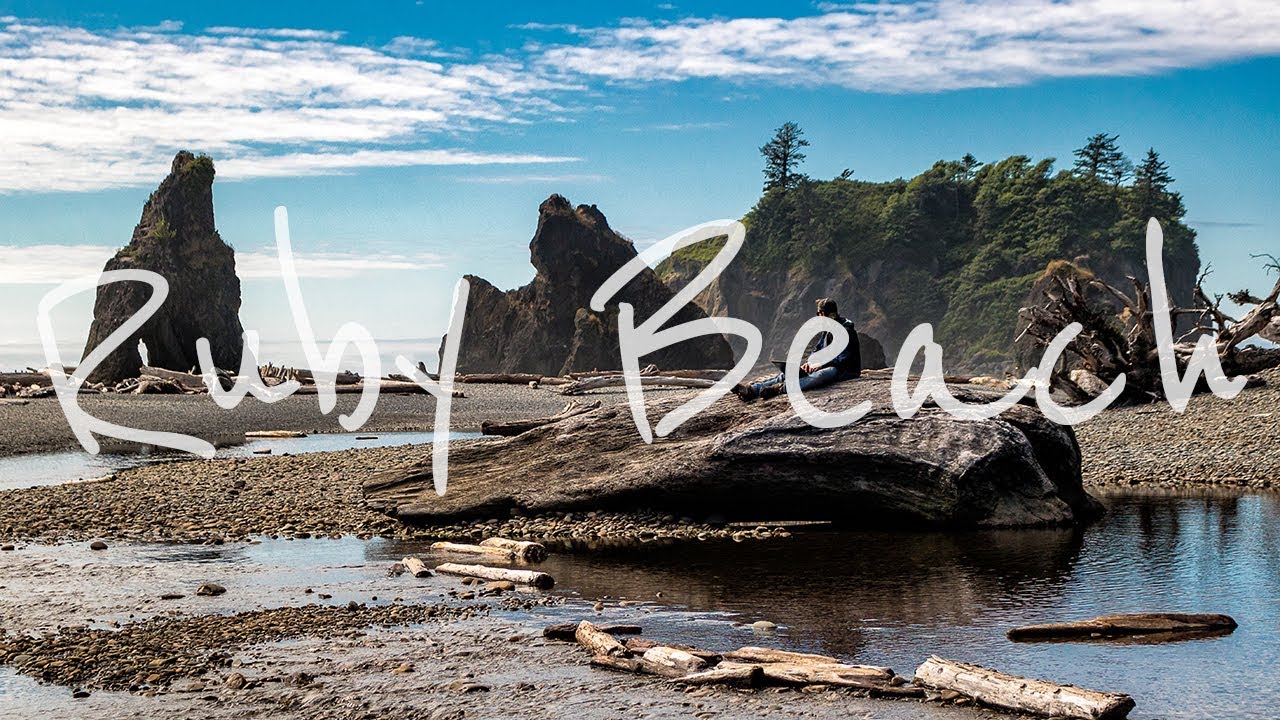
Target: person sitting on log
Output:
[(846, 366)]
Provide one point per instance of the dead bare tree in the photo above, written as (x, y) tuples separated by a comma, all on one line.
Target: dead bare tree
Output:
[(1118, 333)]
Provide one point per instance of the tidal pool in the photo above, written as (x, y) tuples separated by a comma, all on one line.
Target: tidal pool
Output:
[(873, 597)]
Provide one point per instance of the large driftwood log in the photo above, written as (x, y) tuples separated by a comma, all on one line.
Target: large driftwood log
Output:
[(835, 674), (25, 379), (1037, 697), (515, 427), (416, 567), (605, 381), (499, 378), (680, 660), (275, 434), (770, 655), (493, 552), (568, 632), (1112, 626), (636, 665), (598, 641), (523, 550), (727, 673), (640, 645), (539, 580)]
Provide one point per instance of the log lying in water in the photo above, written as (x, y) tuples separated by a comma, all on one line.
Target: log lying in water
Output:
[(539, 580), (492, 552), (568, 631), (834, 674), (416, 567), (1037, 697), (599, 642), (1113, 626), (515, 427), (523, 550)]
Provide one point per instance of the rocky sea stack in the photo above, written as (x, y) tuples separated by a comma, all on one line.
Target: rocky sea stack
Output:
[(548, 326), (177, 239)]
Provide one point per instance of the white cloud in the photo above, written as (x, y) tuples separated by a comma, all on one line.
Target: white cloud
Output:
[(930, 45), (85, 110), (286, 33), (53, 264), (530, 178)]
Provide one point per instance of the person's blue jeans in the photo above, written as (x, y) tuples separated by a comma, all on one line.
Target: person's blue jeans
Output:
[(816, 379)]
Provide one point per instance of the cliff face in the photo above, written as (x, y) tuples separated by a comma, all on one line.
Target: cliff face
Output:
[(548, 327), (176, 237)]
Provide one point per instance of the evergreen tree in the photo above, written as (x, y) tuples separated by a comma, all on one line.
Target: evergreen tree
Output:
[(782, 156), (1101, 158), (1151, 196)]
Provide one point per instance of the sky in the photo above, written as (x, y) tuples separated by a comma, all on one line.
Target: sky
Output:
[(413, 140)]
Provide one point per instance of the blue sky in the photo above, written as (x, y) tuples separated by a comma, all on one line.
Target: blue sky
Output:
[(412, 141)]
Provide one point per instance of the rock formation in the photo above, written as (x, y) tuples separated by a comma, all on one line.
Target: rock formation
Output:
[(548, 326), (761, 462), (176, 238)]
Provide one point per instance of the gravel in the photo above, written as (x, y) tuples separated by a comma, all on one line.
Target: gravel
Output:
[(40, 426), (1215, 443)]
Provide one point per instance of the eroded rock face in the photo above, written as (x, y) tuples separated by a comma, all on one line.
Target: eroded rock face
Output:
[(761, 462), (548, 327), (176, 238)]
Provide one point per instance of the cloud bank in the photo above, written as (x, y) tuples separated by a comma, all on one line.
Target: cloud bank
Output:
[(84, 110)]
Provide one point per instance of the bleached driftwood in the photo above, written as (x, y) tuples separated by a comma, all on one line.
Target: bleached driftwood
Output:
[(567, 632), (416, 567), (515, 427), (523, 550), (1026, 695), (599, 642), (521, 577), (605, 381), (465, 549)]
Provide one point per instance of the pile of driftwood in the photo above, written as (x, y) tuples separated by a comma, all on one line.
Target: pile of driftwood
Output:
[(576, 383), (1119, 334), (496, 549), (616, 647)]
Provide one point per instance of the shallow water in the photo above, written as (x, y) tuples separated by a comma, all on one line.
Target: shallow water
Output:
[(23, 471), (872, 597)]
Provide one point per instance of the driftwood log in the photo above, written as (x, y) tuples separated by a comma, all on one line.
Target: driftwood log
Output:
[(599, 642), (769, 655), (640, 646), (460, 548), (523, 550), (605, 381), (1037, 697), (539, 580), (671, 657), (727, 673), (1114, 626), (416, 567), (515, 427), (275, 434), (567, 632)]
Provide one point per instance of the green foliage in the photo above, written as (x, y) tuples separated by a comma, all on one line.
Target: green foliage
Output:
[(162, 230), (962, 242), (197, 172)]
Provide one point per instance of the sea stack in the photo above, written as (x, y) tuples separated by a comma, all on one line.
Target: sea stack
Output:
[(177, 239), (548, 326)]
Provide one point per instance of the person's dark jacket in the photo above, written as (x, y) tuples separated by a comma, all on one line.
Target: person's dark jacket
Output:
[(848, 362)]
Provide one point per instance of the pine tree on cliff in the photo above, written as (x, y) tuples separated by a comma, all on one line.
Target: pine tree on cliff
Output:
[(782, 156), (1101, 158), (1151, 196)]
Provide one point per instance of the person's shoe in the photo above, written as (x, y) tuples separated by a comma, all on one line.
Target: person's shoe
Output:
[(745, 393), (770, 391)]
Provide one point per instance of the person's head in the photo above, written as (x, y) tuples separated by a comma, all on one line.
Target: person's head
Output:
[(827, 308)]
